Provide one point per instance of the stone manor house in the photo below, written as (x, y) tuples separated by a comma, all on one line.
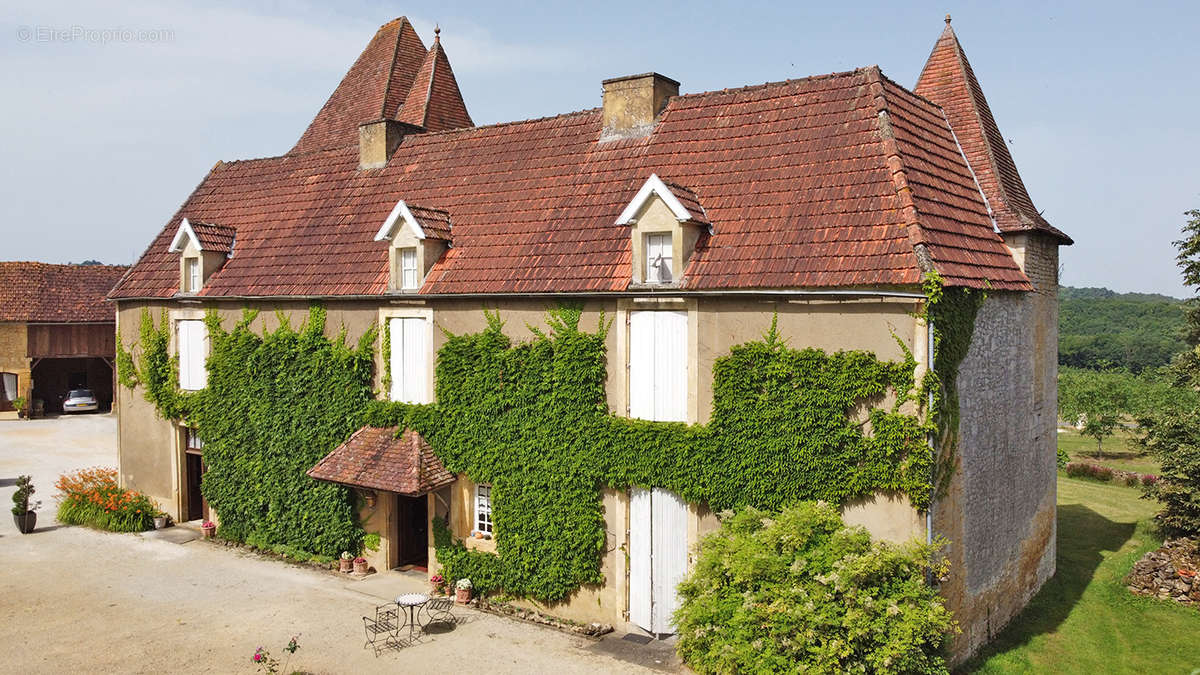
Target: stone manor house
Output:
[(693, 220)]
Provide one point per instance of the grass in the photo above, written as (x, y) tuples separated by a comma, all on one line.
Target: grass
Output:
[(1084, 620), (1118, 452)]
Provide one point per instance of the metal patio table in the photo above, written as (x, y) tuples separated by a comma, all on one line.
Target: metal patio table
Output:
[(414, 602)]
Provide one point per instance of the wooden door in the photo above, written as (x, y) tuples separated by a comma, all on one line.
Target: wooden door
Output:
[(412, 531), (194, 471)]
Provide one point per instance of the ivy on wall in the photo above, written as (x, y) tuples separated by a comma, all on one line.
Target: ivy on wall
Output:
[(275, 404), (532, 420)]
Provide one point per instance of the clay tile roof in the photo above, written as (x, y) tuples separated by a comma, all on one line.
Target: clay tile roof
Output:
[(949, 81), (434, 223), (689, 200), (372, 89), (841, 180), (435, 102), (41, 292), (375, 458), (218, 238)]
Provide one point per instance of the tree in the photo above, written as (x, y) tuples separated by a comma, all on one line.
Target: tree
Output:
[(1097, 400)]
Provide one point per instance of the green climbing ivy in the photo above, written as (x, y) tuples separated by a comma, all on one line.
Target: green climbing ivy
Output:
[(275, 404)]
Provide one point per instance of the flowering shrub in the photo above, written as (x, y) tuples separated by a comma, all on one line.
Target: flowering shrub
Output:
[(798, 591), (92, 497), (1104, 473), (269, 664)]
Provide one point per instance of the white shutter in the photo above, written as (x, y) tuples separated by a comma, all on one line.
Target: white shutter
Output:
[(641, 365), (640, 600), (669, 557), (408, 268), (191, 351), (670, 365), (409, 365)]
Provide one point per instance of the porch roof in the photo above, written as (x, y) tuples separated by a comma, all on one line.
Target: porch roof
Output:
[(378, 458)]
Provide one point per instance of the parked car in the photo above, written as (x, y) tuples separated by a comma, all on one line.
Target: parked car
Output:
[(80, 400)]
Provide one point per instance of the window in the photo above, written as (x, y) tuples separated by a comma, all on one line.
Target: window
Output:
[(192, 373), (483, 509), (8, 390), (408, 268), (658, 258), (192, 268), (409, 362), (658, 365), (194, 444)]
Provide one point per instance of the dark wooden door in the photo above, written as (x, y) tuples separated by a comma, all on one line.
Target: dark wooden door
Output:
[(195, 500), (412, 530)]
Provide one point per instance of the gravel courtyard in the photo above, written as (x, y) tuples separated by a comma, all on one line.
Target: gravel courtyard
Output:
[(78, 600)]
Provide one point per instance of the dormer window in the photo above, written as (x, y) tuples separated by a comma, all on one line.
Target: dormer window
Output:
[(666, 222), (203, 249), (419, 237), (408, 269), (659, 258)]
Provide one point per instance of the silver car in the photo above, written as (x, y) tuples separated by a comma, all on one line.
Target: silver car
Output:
[(80, 400)]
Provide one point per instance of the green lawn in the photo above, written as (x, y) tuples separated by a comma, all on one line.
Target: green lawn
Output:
[(1118, 452), (1084, 620)]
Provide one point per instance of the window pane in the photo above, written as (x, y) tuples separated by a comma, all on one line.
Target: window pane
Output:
[(408, 268), (190, 345), (483, 508), (658, 258)]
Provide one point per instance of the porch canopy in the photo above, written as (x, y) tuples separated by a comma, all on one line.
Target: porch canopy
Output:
[(376, 458)]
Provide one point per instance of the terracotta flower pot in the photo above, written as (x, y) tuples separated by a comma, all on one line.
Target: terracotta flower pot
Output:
[(345, 565), (209, 531), (462, 595), (360, 567)]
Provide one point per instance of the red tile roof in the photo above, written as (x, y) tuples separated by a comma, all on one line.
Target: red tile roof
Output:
[(435, 102), (435, 223), (216, 238), (690, 202), (828, 181), (948, 81), (373, 89), (41, 292), (374, 458)]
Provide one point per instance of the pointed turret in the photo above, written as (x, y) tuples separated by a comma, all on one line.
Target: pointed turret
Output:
[(948, 81), (434, 101), (372, 89)]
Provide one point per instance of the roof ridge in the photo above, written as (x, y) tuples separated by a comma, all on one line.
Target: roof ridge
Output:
[(387, 85), (778, 83)]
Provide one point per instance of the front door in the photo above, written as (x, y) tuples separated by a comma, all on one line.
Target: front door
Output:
[(412, 535), (657, 557), (194, 471)]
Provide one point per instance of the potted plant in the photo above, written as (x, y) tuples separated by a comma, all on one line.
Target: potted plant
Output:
[(360, 565), (160, 520), (209, 528), (24, 513), (462, 591), (438, 584), (346, 562), (19, 403)]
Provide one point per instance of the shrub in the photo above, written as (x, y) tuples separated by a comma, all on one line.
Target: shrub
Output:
[(1063, 458), (1174, 438), (92, 497), (799, 591), (1132, 480), (1149, 479), (21, 496), (1078, 469)]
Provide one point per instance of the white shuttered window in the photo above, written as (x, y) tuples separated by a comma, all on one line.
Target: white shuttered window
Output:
[(410, 361), (191, 339), (658, 258), (658, 366), (408, 268)]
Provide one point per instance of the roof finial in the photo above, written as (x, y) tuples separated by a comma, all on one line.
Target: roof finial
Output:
[(947, 19), (437, 31)]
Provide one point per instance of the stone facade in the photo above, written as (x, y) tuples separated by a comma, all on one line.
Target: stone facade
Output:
[(14, 358)]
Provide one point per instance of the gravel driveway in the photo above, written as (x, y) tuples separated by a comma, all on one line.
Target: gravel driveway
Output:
[(78, 600)]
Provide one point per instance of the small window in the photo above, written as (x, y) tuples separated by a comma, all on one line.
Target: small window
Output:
[(194, 444), (483, 509), (192, 266), (408, 268), (658, 258)]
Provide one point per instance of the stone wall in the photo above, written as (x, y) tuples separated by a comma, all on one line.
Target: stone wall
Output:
[(13, 356)]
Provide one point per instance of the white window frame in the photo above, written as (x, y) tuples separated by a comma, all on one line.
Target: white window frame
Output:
[(191, 267), (191, 440), (410, 358), (659, 244), (483, 509), (408, 268), (191, 338)]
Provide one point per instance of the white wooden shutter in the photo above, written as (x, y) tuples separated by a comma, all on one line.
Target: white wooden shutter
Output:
[(640, 582), (669, 556), (641, 365), (190, 346), (409, 362), (670, 366)]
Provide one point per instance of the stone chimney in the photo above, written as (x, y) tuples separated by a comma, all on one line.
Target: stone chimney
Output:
[(632, 104), (379, 139)]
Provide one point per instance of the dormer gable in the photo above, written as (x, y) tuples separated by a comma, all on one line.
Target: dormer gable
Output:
[(418, 237), (203, 248), (666, 222)]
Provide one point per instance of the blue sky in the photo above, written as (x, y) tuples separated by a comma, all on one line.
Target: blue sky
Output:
[(107, 134)]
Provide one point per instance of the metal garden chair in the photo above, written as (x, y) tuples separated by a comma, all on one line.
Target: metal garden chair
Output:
[(382, 629)]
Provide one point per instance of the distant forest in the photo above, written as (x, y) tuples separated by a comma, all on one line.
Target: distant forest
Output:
[(1099, 329)]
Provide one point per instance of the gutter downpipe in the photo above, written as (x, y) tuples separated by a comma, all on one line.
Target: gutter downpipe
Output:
[(932, 449)]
